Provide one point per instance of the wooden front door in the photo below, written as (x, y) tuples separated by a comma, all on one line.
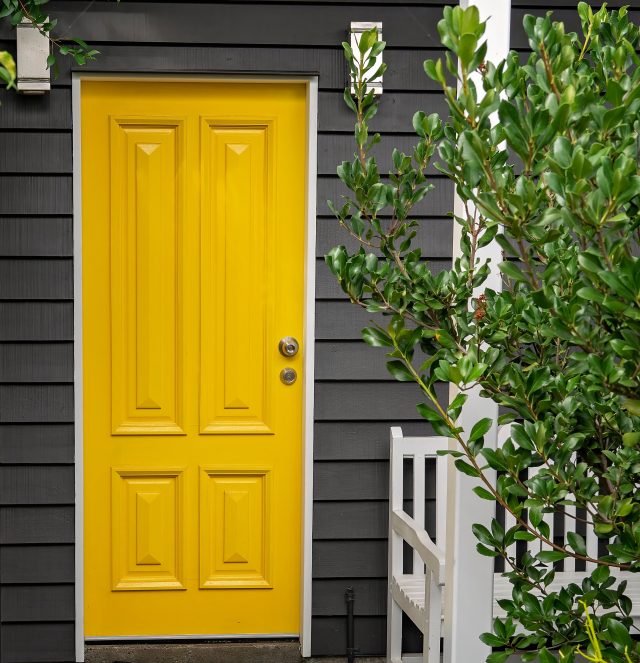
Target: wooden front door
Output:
[(193, 217)]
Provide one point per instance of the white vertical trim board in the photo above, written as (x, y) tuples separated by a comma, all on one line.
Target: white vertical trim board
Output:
[(78, 391), (469, 576), (309, 344), (309, 365)]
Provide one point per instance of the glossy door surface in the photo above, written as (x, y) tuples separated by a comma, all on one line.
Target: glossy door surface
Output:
[(193, 208)]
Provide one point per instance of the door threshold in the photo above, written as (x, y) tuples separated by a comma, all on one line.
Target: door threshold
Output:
[(212, 651), (196, 638)]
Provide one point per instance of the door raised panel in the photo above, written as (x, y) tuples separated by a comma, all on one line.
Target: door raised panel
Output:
[(146, 219), (234, 529), (237, 299), (147, 529)]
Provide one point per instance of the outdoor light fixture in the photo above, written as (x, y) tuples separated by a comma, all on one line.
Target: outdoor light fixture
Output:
[(32, 52), (357, 28)]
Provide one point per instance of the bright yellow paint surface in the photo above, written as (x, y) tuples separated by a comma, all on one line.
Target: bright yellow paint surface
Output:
[(193, 207)]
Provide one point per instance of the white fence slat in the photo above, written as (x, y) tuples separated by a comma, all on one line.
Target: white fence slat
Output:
[(418, 503)]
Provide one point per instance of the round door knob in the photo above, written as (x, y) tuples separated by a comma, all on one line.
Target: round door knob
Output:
[(288, 376), (288, 346)]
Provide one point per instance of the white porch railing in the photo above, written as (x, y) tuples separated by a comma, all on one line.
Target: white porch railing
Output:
[(418, 592)]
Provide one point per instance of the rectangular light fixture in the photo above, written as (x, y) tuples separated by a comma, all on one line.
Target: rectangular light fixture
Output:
[(357, 28), (32, 51)]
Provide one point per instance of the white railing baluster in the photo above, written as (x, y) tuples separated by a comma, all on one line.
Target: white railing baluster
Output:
[(418, 503), (592, 546)]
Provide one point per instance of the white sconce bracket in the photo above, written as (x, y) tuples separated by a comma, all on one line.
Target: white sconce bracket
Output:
[(32, 51), (357, 28)]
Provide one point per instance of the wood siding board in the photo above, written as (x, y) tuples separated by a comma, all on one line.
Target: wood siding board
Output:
[(353, 360), (30, 278), (350, 520), (36, 362), (367, 480), (339, 319), (27, 152), (36, 484), (36, 444), (36, 403), (37, 603), (393, 402), (36, 236), (433, 236), (35, 643), (370, 594), (395, 112), (365, 558), (359, 520), (241, 23), (28, 565), (369, 633), (42, 112), (42, 524), (36, 321), (359, 440), (36, 194)]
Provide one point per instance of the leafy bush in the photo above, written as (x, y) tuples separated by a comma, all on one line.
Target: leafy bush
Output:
[(554, 179)]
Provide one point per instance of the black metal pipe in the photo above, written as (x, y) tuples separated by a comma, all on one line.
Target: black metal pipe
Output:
[(349, 597)]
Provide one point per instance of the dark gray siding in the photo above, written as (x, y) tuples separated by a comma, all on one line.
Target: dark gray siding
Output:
[(356, 402)]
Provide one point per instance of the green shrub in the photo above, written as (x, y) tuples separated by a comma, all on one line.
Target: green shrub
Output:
[(544, 157)]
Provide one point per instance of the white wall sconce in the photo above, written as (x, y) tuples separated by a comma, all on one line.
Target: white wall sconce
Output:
[(32, 51), (357, 28)]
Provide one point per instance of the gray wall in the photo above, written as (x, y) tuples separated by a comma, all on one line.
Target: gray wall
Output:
[(355, 400)]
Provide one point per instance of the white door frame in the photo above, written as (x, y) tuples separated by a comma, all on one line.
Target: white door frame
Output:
[(311, 83)]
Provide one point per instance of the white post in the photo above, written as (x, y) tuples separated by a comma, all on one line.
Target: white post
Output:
[(469, 577)]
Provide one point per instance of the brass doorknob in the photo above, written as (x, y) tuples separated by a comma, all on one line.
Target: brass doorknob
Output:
[(288, 346), (288, 376)]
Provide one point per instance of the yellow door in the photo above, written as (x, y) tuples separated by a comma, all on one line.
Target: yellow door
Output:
[(193, 217)]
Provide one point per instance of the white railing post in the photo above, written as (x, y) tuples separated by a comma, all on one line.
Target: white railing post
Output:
[(469, 579)]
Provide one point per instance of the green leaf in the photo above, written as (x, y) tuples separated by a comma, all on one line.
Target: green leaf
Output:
[(562, 151), (348, 100), (577, 542), (428, 413), (632, 405), (492, 640), (376, 337), (466, 48), (484, 493), (619, 634), (465, 468), (498, 657), (630, 440), (512, 271), (399, 371), (480, 428), (545, 656)]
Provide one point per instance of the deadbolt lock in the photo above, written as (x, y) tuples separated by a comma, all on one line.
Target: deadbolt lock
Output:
[(288, 346), (288, 375)]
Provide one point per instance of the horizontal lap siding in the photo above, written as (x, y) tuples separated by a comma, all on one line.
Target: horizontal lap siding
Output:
[(356, 400)]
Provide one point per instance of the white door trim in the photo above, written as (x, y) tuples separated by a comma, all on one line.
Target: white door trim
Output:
[(309, 335)]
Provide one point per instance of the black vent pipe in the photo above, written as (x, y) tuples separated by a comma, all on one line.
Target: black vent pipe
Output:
[(349, 597)]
